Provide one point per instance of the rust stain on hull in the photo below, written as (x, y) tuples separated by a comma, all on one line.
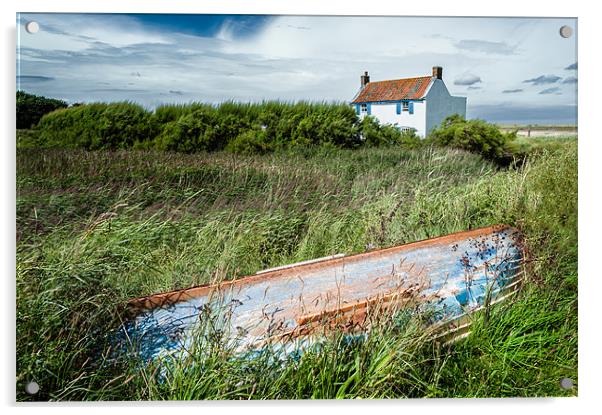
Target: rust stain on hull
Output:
[(453, 273)]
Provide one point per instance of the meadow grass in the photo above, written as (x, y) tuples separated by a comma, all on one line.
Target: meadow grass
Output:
[(97, 228)]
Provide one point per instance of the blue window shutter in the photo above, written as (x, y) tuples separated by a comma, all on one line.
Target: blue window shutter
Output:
[(411, 107), (398, 108), (357, 109), (369, 106)]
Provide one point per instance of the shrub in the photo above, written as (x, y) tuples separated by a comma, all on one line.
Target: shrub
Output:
[(476, 136), (172, 112), (374, 134), (370, 132), (341, 128), (31, 108), (123, 124), (28, 139), (97, 126), (409, 139), (239, 127), (190, 133), (250, 142)]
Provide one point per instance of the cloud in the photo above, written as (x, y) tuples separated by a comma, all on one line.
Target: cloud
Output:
[(570, 80), (543, 79), (440, 36), (512, 91), (252, 65), (467, 79), (571, 67), (80, 31), (114, 90), (487, 47), (227, 30), (34, 78), (554, 90), (299, 27)]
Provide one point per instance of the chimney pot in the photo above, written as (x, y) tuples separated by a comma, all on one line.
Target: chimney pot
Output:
[(364, 79), (437, 72)]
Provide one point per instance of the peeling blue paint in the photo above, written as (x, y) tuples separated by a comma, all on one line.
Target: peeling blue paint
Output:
[(459, 272)]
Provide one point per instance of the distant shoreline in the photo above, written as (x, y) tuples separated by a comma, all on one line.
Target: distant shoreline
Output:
[(540, 130)]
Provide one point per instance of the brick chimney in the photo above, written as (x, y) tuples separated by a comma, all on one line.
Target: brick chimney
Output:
[(437, 72), (364, 79)]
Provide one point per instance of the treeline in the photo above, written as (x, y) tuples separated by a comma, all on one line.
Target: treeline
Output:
[(237, 127), (31, 108)]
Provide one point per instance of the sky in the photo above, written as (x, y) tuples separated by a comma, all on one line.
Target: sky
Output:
[(512, 70)]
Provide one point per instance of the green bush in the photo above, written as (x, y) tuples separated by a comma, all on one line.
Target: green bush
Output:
[(97, 126), (409, 139), (257, 127), (191, 132), (476, 136), (370, 132), (250, 142), (28, 139), (172, 112), (31, 108), (238, 127), (374, 134), (123, 124)]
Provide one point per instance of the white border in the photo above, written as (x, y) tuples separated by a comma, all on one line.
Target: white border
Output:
[(309, 7), (590, 153)]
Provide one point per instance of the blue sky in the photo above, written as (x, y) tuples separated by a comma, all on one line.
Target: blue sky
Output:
[(511, 69)]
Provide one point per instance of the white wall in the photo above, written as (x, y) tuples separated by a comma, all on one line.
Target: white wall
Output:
[(387, 114), (440, 104)]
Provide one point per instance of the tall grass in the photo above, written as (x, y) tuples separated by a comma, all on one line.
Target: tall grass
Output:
[(97, 228)]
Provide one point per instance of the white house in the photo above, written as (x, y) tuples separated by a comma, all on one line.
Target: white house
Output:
[(410, 103)]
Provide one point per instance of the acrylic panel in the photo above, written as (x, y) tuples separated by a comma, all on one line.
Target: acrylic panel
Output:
[(295, 207)]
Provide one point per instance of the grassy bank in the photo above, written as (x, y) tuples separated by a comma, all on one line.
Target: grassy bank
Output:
[(97, 228)]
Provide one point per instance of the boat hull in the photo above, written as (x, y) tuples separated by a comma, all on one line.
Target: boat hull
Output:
[(450, 275)]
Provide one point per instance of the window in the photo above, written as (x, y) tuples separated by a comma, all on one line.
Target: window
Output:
[(406, 105), (364, 108)]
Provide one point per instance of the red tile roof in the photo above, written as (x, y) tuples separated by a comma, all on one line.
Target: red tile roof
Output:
[(394, 90)]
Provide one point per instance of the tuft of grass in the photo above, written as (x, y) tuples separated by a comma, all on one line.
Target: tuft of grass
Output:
[(97, 228)]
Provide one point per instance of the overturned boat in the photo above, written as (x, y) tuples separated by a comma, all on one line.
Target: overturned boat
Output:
[(452, 275)]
